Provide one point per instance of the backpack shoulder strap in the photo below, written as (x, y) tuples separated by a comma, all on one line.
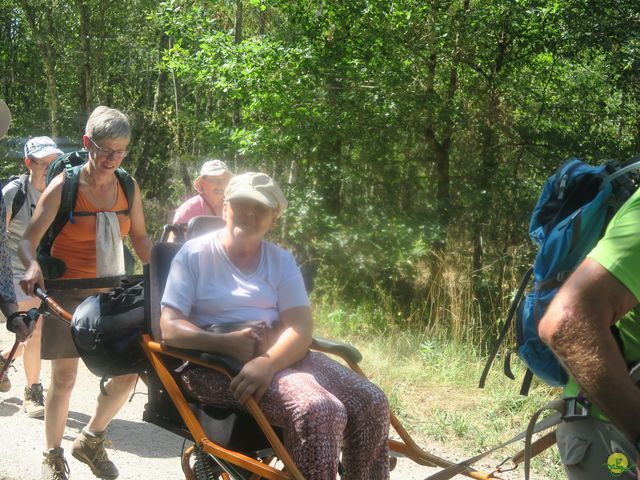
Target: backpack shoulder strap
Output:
[(629, 167), (68, 197), (71, 165), (128, 185), (20, 196), (65, 212), (507, 325)]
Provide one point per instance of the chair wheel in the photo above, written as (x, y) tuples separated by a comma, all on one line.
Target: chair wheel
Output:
[(393, 462)]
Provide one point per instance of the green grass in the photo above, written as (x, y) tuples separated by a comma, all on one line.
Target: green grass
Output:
[(432, 386)]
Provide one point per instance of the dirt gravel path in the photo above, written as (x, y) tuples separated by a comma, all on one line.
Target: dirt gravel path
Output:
[(141, 450)]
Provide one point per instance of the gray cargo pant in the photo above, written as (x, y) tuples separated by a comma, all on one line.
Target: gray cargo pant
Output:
[(586, 447)]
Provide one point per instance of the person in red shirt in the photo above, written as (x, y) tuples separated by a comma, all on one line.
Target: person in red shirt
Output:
[(210, 185)]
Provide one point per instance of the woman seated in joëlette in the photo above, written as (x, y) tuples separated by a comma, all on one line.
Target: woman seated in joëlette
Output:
[(233, 277)]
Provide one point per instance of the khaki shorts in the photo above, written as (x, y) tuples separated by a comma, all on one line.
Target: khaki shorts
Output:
[(56, 333)]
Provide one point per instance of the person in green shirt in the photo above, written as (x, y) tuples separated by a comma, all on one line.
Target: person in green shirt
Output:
[(602, 292)]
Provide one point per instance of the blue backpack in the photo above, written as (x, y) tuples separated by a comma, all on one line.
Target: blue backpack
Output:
[(571, 215)]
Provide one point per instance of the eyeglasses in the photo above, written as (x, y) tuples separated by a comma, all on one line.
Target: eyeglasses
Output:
[(107, 152)]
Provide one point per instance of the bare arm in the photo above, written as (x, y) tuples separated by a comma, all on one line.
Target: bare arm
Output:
[(138, 231), (178, 331), (41, 220), (577, 328), (7, 308), (22, 331), (292, 345), (294, 342), (8, 304), (8, 193)]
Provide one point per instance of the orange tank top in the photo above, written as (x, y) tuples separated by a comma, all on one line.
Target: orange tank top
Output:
[(76, 242)]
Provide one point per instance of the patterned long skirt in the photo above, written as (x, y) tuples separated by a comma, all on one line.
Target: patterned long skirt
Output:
[(323, 409)]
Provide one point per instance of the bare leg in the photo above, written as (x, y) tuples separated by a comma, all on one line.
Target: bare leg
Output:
[(118, 390), (5, 353), (56, 409)]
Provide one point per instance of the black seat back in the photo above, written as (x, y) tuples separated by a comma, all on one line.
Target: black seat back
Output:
[(156, 272), (202, 224), (198, 225), (230, 428)]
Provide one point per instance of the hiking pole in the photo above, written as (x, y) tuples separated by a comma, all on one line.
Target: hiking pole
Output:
[(52, 305), (9, 359)]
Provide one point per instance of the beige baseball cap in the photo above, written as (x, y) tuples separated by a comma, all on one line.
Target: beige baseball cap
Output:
[(211, 168), (259, 187), (5, 119)]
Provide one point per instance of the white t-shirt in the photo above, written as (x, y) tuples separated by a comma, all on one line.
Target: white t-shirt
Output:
[(15, 229), (209, 290)]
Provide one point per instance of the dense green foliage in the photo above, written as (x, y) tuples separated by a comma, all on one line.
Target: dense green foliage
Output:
[(411, 136)]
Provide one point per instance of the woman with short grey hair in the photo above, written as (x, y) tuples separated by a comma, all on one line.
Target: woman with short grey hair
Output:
[(105, 208)]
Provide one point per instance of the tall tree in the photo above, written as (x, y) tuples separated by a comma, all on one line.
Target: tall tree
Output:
[(40, 15)]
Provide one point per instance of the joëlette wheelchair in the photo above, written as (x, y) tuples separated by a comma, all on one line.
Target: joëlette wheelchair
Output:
[(230, 444)]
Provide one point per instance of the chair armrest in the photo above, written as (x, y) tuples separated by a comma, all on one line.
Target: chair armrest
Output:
[(91, 283), (233, 366), (177, 229), (230, 364), (348, 352)]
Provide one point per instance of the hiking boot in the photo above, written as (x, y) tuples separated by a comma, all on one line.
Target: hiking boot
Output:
[(5, 383), (33, 403), (89, 449), (54, 465)]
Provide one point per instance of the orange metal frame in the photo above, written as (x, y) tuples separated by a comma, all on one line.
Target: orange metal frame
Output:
[(154, 350)]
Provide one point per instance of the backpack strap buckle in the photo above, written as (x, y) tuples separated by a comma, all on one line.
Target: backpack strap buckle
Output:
[(575, 408)]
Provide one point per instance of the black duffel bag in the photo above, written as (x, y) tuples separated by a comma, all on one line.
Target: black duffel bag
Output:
[(106, 330)]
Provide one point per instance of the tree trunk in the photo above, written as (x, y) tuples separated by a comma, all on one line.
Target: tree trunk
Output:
[(329, 155), (161, 79), (43, 36), (441, 147), (237, 38), (262, 21), (86, 87), (488, 156)]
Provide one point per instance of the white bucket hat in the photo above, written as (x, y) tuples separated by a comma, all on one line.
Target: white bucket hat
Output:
[(212, 168)]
